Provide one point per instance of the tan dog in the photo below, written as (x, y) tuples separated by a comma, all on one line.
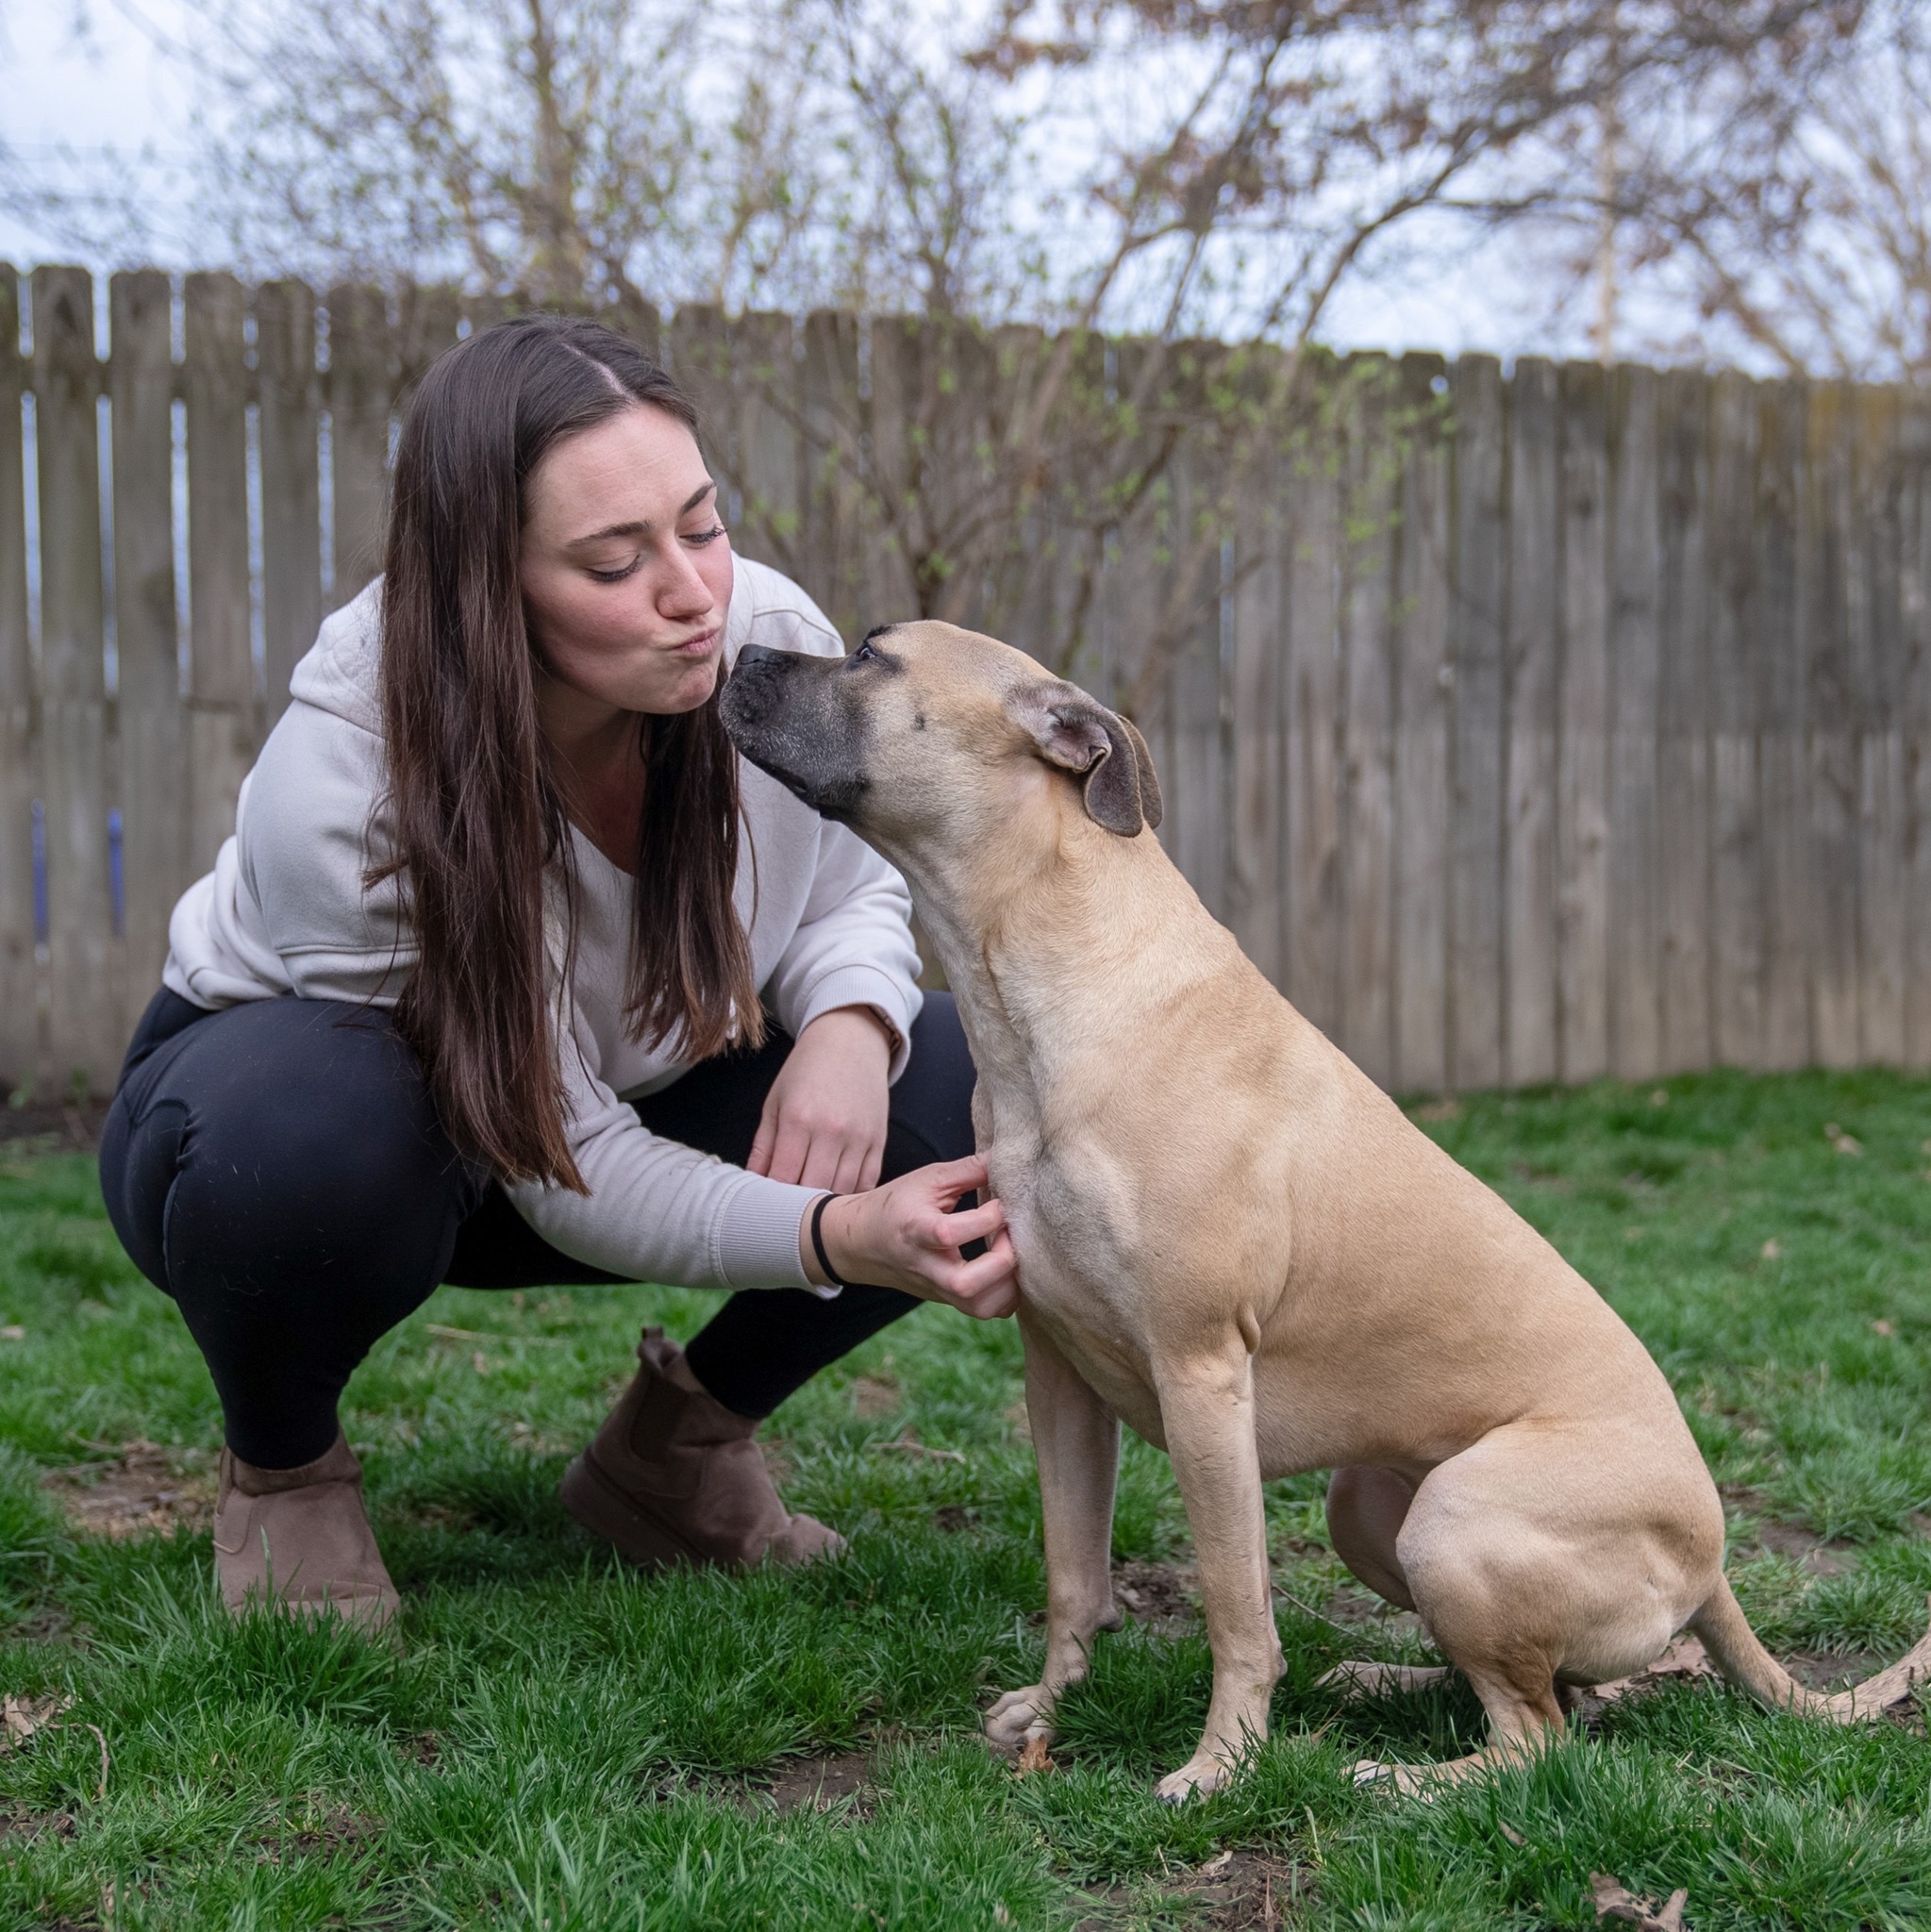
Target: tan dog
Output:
[(1231, 1239)]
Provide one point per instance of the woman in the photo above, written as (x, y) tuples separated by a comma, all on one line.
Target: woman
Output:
[(513, 974)]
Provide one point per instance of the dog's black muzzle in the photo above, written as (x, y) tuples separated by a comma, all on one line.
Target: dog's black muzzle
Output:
[(787, 713)]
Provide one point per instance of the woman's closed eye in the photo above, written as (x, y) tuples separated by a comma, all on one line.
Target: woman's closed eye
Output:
[(616, 573)]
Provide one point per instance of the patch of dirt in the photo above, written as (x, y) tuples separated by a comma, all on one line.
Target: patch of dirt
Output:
[(1156, 1593), (331, 1834), (951, 1517), (818, 1784), (16, 1822), (135, 1489), (1832, 1669), (1354, 1609), (873, 1396), (1821, 1556), (424, 1748), (63, 1128), (45, 1627), (1237, 1891)]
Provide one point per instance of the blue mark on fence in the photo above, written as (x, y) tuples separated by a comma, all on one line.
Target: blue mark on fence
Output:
[(117, 887), (41, 927)]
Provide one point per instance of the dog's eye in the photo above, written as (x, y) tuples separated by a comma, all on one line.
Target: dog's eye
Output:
[(863, 654)]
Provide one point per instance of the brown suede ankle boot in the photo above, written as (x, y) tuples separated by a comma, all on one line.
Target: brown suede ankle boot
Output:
[(299, 1536), (674, 1477)]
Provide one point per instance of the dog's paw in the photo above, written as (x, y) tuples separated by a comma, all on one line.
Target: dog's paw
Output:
[(1199, 1777), (1019, 1717), (1370, 1771)]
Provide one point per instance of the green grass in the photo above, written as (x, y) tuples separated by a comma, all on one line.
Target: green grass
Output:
[(559, 1743)]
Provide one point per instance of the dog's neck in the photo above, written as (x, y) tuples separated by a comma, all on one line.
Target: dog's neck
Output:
[(1046, 931)]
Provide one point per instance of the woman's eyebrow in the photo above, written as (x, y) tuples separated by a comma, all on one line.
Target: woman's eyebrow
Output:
[(635, 528)]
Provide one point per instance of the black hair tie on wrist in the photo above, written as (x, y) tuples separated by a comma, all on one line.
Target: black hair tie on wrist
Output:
[(836, 1279)]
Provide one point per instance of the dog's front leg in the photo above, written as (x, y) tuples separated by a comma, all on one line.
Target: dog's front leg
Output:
[(1076, 1442), (1206, 1408)]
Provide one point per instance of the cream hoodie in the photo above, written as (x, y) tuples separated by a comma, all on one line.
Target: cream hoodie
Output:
[(285, 911)]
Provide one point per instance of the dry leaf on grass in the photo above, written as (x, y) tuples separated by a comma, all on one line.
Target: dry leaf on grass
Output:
[(22, 1719), (1685, 1658), (1614, 1900), (22, 1716), (1036, 1757)]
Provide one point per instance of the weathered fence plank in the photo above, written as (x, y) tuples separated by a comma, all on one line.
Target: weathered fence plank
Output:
[(361, 380), (85, 1019), (1683, 784), (833, 552), (1195, 687), (1582, 804), (1526, 728), (20, 1041), (1479, 612), (1532, 670), (1914, 712), (1783, 761), (221, 666), (1878, 698), (290, 421), (1828, 565), (1367, 709), (1313, 904), (155, 781), (1258, 809), (1422, 677), (1734, 607), (1634, 653)]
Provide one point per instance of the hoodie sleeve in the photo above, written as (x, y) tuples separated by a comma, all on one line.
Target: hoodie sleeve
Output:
[(658, 1210), (853, 946)]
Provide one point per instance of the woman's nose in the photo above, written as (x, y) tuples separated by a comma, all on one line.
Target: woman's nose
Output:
[(683, 592)]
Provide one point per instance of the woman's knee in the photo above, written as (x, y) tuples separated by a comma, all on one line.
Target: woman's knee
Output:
[(286, 1141)]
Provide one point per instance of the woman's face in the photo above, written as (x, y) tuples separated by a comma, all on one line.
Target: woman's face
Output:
[(627, 570)]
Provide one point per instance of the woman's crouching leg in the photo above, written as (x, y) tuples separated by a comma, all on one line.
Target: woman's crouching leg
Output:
[(278, 1169)]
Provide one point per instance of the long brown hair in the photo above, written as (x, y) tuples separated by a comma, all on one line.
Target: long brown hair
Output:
[(477, 810)]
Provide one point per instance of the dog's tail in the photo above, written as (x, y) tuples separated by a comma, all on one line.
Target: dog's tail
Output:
[(1728, 1638)]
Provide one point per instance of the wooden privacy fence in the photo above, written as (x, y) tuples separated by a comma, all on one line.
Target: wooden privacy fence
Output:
[(1567, 723)]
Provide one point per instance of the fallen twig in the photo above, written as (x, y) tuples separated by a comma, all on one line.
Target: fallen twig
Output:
[(905, 1446), (442, 1332), (1308, 1610), (100, 1739)]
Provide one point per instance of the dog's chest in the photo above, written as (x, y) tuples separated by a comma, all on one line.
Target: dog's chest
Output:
[(1072, 1216)]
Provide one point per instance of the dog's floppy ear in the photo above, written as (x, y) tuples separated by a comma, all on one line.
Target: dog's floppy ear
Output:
[(1149, 784), (1078, 733)]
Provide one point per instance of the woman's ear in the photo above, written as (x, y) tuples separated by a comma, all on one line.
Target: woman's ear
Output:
[(1079, 734)]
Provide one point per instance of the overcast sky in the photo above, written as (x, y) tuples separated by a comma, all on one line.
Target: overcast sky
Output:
[(115, 90)]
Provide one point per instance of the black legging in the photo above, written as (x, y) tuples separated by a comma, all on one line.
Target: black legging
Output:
[(278, 1168)]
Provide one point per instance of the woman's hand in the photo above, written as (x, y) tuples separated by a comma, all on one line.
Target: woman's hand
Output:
[(825, 1118), (907, 1235)]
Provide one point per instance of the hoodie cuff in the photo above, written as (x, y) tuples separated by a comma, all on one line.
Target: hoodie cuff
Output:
[(866, 985), (757, 1239)]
